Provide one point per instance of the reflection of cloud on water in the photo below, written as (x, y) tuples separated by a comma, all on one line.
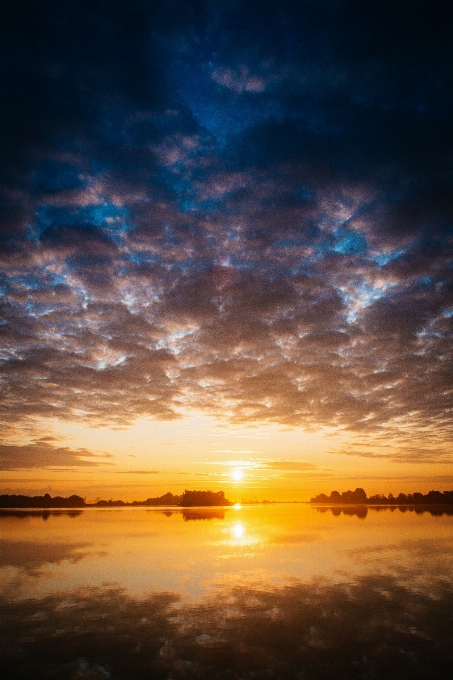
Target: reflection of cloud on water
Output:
[(422, 547), (408, 560), (413, 554), (370, 627), (32, 556), (290, 538)]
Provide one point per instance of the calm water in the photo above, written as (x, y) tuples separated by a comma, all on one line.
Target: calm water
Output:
[(286, 591)]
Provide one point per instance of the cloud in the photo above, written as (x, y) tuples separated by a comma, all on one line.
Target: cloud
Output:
[(240, 80), (42, 455), (264, 465), (139, 472), (290, 465), (255, 224)]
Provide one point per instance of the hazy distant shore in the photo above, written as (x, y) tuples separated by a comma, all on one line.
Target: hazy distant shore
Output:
[(217, 499), (185, 500), (359, 497)]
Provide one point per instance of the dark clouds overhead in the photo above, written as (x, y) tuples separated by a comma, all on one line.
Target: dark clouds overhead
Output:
[(242, 207)]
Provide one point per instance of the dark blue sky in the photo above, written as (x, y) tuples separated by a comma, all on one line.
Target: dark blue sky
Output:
[(241, 207)]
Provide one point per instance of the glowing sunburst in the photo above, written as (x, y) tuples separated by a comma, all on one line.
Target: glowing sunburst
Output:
[(237, 474)]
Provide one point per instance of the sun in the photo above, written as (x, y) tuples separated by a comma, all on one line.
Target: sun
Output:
[(237, 474)]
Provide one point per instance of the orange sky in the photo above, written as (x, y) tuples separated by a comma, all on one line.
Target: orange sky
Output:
[(153, 457)]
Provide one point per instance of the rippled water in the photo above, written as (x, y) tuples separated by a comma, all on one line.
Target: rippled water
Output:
[(281, 591)]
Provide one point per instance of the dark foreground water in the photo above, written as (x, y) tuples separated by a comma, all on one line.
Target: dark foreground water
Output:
[(286, 591)]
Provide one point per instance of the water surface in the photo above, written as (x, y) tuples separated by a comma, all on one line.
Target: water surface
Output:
[(281, 591)]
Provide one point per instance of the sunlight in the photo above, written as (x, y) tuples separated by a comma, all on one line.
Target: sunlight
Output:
[(238, 530), (237, 474)]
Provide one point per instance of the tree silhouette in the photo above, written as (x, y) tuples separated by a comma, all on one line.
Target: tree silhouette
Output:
[(200, 498)]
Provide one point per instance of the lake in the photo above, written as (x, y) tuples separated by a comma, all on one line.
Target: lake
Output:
[(278, 591)]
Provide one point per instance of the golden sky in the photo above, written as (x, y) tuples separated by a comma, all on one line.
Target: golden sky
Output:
[(152, 457)]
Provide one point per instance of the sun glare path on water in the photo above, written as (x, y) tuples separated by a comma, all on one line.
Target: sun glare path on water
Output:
[(238, 530)]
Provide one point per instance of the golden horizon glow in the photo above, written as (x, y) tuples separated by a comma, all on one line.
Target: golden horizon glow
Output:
[(152, 457)]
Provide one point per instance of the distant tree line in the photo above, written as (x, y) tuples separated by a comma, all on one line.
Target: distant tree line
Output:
[(359, 496), (46, 501), (187, 499), (166, 499)]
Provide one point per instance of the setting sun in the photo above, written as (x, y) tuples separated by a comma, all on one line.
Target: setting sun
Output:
[(237, 475)]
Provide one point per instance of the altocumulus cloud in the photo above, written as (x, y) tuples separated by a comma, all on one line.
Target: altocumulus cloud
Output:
[(243, 208), (42, 455)]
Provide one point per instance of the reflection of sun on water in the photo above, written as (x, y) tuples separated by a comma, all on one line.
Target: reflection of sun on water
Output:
[(238, 530), (240, 535)]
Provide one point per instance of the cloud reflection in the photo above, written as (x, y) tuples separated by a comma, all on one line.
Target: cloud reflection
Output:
[(373, 627), (32, 556)]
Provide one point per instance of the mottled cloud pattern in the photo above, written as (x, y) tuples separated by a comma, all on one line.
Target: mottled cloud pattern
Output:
[(41, 454), (241, 207)]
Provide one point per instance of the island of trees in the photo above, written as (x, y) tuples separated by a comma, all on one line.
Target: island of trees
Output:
[(191, 499), (46, 501), (187, 499), (359, 497)]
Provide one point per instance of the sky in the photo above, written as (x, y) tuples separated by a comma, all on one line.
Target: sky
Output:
[(226, 244)]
